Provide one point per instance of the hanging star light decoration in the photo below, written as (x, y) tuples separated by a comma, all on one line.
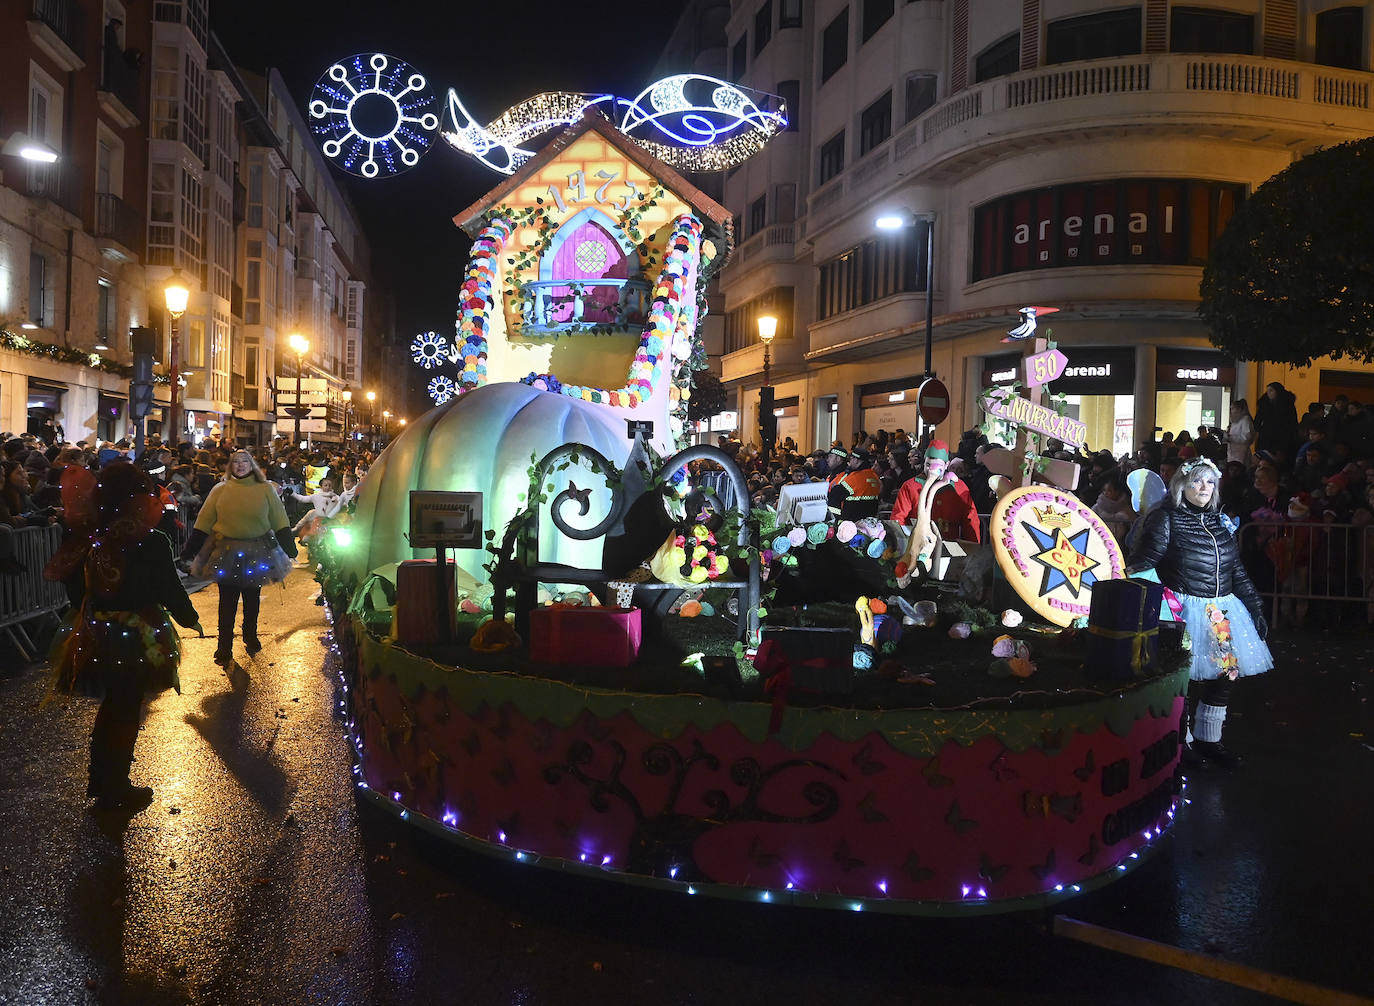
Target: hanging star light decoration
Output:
[(377, 118), (430, 350)]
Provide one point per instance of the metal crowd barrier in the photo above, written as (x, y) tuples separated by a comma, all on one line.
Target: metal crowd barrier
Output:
[(1293, 563), (26, 596)]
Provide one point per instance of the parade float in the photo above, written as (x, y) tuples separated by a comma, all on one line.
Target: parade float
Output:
[(556, 646)]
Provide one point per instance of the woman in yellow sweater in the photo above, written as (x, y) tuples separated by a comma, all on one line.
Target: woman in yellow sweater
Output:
[(242, 541)]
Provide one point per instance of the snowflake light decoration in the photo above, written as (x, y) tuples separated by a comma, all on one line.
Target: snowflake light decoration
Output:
[(376, 115), (430, 350), (441, 389)]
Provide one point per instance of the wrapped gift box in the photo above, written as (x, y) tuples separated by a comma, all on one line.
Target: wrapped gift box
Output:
[(570, 634), (422, 616), (821, 659), (1123, 628)]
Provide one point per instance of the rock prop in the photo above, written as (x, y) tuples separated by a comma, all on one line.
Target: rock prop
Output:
[(960, 630)]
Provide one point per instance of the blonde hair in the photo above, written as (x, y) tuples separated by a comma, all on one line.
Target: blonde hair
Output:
[(1186, 473), (254, 470)]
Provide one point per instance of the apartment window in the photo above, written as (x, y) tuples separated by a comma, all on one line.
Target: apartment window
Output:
[(758, 215), (998, 59), (790, 93), (784, 203), (166, 101), (763, 26), (920, 95), (875, 123), (104, 313), (876, 14), (1094, 36), (40, 296), (789, 13), (1340, 35), (193, 110), (835, 45), (741, 323), (192, 229), (162, 202), (255, 194), (739, 57), (832, 157), (1199, 29), (879, 268)]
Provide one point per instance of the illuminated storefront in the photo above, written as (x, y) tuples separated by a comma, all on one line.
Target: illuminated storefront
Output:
[(1192, 389)]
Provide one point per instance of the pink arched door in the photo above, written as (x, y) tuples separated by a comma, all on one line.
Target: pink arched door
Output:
[(589, 253)]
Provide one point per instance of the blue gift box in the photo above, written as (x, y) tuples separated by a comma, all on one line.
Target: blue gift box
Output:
[(1123, 629)]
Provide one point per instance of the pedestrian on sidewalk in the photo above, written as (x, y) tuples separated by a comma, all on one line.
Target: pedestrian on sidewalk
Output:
[(241, 541), (119, 645)]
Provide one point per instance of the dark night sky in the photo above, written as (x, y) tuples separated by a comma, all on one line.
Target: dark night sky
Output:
[(493, 54)]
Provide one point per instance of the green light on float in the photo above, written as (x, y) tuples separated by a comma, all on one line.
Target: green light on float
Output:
[(343, 537)]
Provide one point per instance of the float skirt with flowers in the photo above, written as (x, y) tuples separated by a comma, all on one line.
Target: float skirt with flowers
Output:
[(1225, 643), (98, 645)]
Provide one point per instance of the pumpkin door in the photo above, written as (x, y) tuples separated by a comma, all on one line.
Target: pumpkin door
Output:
[(589, 253)]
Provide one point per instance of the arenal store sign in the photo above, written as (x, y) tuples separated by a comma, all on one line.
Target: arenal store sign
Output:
[(1138, 221)]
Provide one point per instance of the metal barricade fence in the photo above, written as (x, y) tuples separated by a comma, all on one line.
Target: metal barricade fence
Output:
[(26, 596), (186, 521), (1293, 563)]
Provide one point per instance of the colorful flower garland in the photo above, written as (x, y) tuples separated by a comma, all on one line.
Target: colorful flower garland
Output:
[(478, 302)]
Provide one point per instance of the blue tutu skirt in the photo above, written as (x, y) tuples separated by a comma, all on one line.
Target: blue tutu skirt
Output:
[(1224, 638), (243, 562)]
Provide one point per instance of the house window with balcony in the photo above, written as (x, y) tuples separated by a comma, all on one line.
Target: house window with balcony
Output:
[(763, 26), (758, 215), (785, 203), (162, 203), (832, 158), (1202, 29), (1093, 36), (193, 108), (876, 14), (789, 13), (998, 59), (192, 221), (1340, 38), (45, 125), (590, 275), (835, 45), (875, 123), (920, 96), (790, 93), (739, 57)]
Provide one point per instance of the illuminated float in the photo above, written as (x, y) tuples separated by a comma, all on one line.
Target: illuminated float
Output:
[(948, 786)]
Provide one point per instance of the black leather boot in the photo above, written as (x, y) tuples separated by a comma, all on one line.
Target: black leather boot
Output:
[(1214, 753), (251, 643)]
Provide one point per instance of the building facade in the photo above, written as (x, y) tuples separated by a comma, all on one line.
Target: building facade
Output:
[(171, 160), (1065, 155)]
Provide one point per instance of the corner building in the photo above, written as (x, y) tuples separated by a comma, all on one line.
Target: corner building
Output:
[(1071, 155)]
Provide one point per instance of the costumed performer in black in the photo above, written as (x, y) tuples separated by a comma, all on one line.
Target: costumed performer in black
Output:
[(242, 540), (1192, 548), (119, 644)]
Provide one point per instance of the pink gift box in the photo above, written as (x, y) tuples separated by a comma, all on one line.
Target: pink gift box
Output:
[(567, 634)]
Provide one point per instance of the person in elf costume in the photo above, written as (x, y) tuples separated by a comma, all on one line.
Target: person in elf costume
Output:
[(119, 644), (953, 510), (1191, 546)]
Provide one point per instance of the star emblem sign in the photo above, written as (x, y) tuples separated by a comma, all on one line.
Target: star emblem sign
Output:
[(1065, 558)]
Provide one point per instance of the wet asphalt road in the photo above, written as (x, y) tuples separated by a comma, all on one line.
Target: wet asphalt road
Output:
[(254, 877)]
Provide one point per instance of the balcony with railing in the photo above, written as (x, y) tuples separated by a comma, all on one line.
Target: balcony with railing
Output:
[(57, 27), (117, 224), (236, 396), (1236, 96), (774, 243), (119, 87), (562, 305), (50, 182)]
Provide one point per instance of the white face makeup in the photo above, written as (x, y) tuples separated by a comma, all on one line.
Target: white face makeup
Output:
[(1200, 488), (240, 465), (936, 467)]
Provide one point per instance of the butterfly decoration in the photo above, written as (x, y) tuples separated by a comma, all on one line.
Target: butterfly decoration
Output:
[(1090, 857), (956, 820), (1086, 772), (866, 763), (990, 872), (1043, 872), (841, 855), (913, 868), (870, 813), (933, 776)]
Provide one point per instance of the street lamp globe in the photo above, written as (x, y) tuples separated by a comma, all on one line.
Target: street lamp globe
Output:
[(300, 345), (176, 294), (768, 327)]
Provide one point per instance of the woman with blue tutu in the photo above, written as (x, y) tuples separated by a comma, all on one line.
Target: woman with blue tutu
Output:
[(1192, 548), (242, 541)]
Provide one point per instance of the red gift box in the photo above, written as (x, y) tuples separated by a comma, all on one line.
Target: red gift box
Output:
[(569, 634)]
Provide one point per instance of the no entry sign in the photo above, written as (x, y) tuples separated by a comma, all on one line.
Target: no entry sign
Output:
[(932, 401)]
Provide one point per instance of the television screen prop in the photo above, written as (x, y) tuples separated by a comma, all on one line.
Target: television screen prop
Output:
[(802, 504)]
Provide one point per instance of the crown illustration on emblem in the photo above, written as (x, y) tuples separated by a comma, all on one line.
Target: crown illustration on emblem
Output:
[(1048, 516)]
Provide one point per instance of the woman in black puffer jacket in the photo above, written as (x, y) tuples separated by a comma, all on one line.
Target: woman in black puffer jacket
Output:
[(1192, 548)]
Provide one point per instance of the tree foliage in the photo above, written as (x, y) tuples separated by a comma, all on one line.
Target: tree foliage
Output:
[(708, 396), (1292, 276)]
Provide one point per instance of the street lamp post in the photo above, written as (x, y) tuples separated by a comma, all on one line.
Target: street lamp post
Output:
[(371, 417), (176, 295), (896, 221), (386, 426), (348, 402), (768, 328), (299, 346)]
